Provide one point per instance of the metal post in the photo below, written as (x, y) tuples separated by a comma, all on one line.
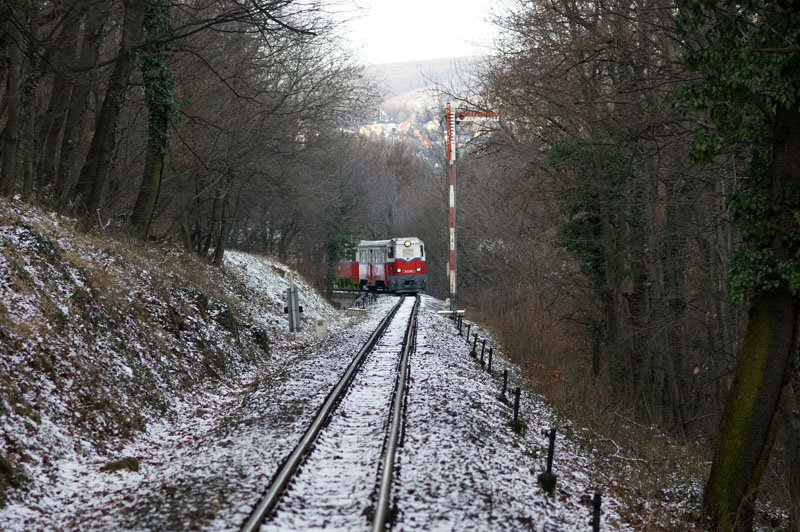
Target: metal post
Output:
[(596, 512), (547, 480), (451, 168), (505, 383), (474, 351), (451, 115), (469, 326), (483, 349), (516, 405), (292, 308), (551, 450), (489, 367)]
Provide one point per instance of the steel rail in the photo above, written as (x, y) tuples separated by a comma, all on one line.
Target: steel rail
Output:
[(284, 475), (383, 505)]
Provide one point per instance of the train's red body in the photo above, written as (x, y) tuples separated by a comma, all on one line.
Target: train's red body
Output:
[(345, 274), (396, 265)]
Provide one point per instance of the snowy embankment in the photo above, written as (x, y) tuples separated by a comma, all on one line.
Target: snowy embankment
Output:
[(165, 407), (463, 467)]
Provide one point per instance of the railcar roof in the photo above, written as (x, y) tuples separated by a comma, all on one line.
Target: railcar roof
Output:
[(370, 243)]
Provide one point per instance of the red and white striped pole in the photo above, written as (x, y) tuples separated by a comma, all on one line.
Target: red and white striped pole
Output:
[(450, 138), (451, 115)]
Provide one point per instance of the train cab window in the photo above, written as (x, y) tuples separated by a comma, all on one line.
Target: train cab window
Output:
[(391, 252)]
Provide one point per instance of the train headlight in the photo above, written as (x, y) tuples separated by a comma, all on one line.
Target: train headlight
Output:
[(407, 243), (419, 269), (398, 270)]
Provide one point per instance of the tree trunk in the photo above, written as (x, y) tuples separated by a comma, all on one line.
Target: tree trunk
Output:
[(52, 124), (65, 161), (749, 421), (675, 347), (28, 144), (8, 173), (790, 425), (209, 238), (92, 181), (224, 226), (747, 428), (158, 85), (186, 235), (148, 190)]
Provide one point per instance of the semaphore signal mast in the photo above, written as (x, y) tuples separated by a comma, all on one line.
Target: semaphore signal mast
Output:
[(452, 117)]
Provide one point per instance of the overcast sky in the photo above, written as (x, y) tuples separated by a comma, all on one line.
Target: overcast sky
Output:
[(388, 31)]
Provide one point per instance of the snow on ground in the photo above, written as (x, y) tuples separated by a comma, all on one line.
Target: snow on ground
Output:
[(204, 466), (262, 285), (463, 467), (206, 443), (338, 477)]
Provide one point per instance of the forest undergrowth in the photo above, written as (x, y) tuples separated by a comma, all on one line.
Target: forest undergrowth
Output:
[(639, 461)]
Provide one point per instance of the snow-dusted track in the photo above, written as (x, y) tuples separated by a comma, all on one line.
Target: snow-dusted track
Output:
[(347, 444)]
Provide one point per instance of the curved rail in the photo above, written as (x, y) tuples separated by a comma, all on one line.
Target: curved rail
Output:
[(281, 480), (387, 462)]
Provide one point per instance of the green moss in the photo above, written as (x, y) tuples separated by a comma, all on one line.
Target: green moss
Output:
[(44, 246), (129, 463), (54, 314), (20, 272), (739, 418), (214, 363), (261, 339), (519, 426), (224, 316), (44, 363), (547, 481), (10, 477), (202, 301), (175, 322), (24, 409)]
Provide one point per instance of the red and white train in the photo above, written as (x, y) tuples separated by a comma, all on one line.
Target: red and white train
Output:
[(396, 265)]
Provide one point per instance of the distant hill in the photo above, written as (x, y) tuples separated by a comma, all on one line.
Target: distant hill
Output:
[(412, 85)]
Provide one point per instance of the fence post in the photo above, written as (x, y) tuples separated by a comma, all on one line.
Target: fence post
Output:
[(516, 406), (489, 367), (505, 384), (474, 352), (483, 349), (547, 480), (596, 512)]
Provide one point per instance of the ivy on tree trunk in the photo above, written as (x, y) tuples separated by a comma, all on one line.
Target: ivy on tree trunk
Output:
[(159, 81), (751, 91), (749, 422)]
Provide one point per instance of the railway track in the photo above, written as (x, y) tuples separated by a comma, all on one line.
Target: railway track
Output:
[(340, 473)]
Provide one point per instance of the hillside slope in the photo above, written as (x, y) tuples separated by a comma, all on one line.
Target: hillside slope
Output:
[(412, 85), (99, 337), (141, 389)]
